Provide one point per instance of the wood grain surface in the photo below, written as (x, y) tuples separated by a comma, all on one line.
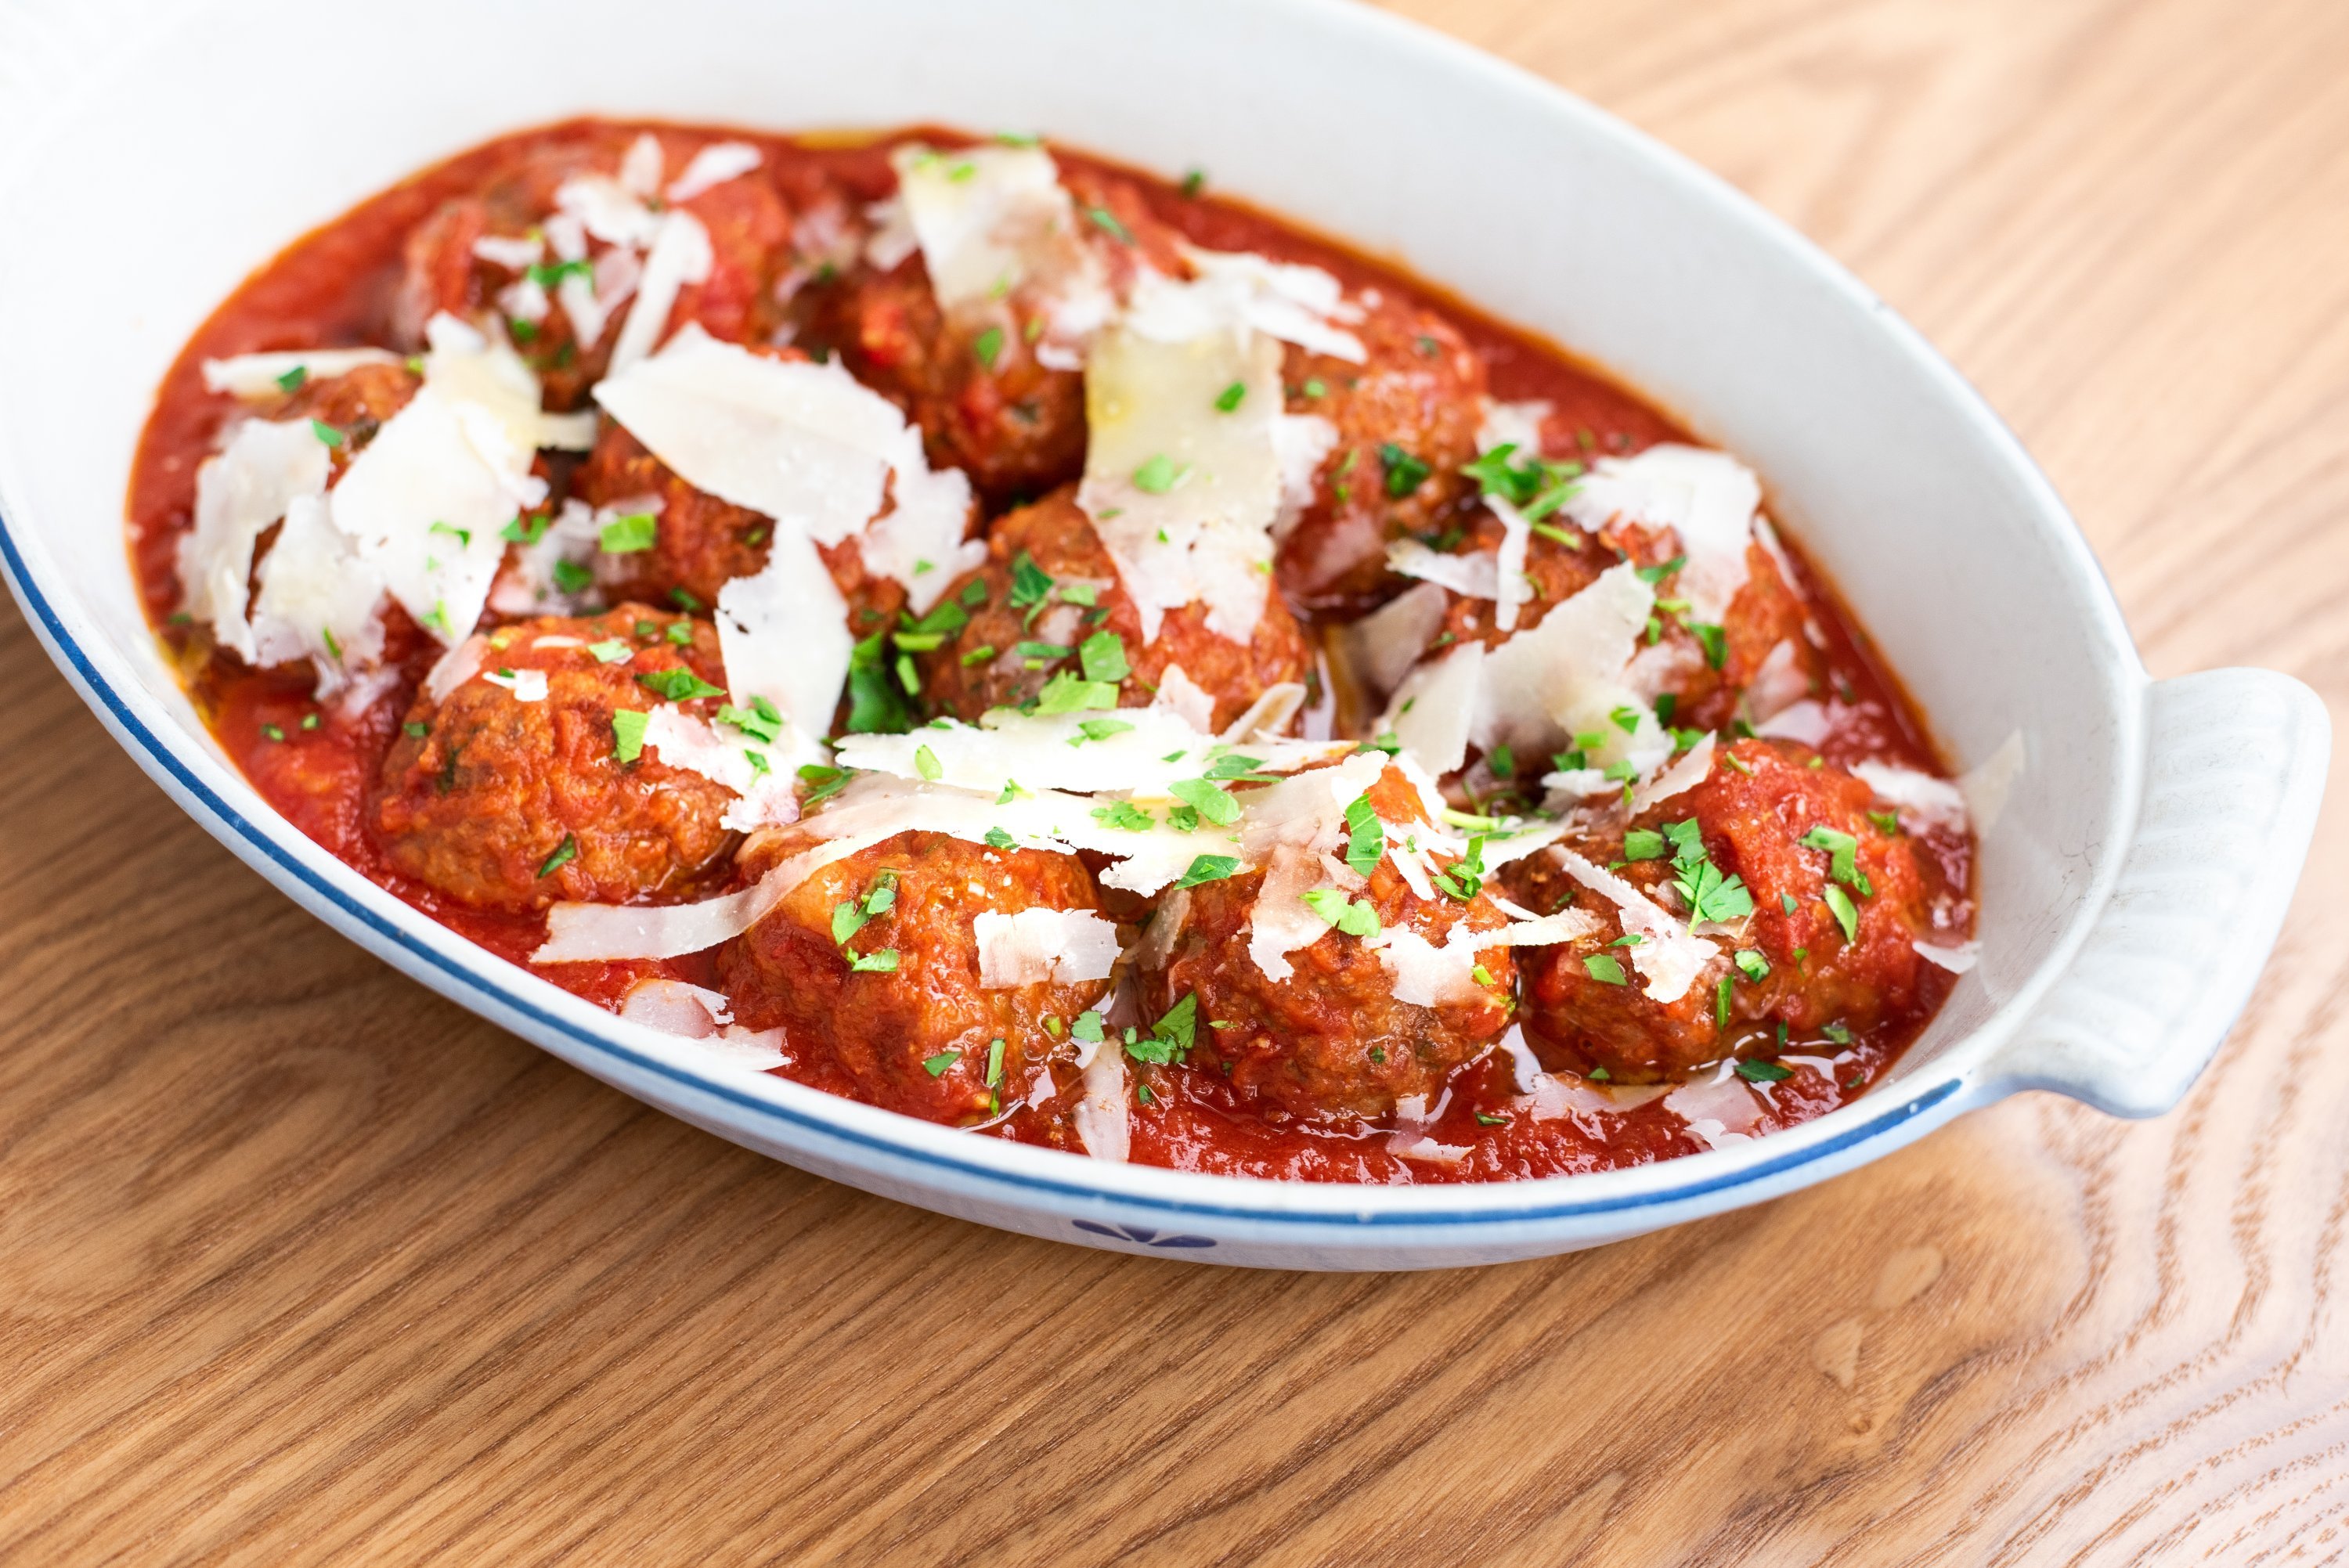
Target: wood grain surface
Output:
[(300, 1264)]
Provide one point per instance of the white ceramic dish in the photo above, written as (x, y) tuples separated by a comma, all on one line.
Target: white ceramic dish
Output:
[(153, 153)]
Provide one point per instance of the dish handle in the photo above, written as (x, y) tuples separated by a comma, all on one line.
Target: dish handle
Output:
[(2235, 765)]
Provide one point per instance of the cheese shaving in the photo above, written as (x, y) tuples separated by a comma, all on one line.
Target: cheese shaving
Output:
[(1476, 576), (239, 493), (1043, 946), (257, 377), (1183, 492), (1241, 291), (1667, 956), (1681, 777), (713, 166), (1922, 801), (1707, 498), (764, 796)]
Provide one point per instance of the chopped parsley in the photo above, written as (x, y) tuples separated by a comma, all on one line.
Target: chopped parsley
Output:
[(292, 380), (627, 535), (1107, 223), (1643, 844), (1846, 914), (823, 782), (1406, 473), (1355, 917), (1366, 836), (1843, 860), (610, 651), (564, 853), (1840, 1032), (1603, 968), (1126, 816), (881, 963), (988, 347), (1066, 693), (629, 733), (1209, 800), (1464, 878), (1087, 1027), (937, 1066), (678, 684), (925, 763), (876, 705), (572, 577), (1159, 474), (1753, 965), (273, 732), (995, 1061), (1099, 729), (1764, 1072), (1229, 398), (325, 432), (1207, 869), (761, 721), (1103, 655), (1000, 840), (1710, 895), (416, 728)]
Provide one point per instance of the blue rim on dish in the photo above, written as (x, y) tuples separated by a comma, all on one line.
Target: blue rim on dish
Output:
[(55, 635)]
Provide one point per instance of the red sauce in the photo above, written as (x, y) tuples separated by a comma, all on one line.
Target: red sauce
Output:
[(335, 286)]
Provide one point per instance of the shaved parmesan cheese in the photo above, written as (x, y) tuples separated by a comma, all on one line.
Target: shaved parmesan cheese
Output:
[(1424, 975), (679, 255), (513, 252), (423, 503), (783, 633), (1529, 930), (257, 377), (455, 667), (892, 238), (1805, 722), (1291, 828), (1102, 1114), (483, 374), (1683, 776), (1181, 492), (1517, 424), (692, 1013), (317, 599), (766, 797), (1053, 751), (1957, 959), (1044, 946), (714, 165), (1434, 713), (528, 586), (641, 166), (527, 685), (1380, 648), (1511, 587), (1566, 678), (1720, 1111), (592, 301), (920, 541), (1158, 938), (1262, 722), (1921, 800), (1777, 686), (1667, 956), (1301, 443), (608, 209), (1707, 498), (1183, 698), (799, 441), (1476, 576), (992, 220), (239, 493), (1241, 291)]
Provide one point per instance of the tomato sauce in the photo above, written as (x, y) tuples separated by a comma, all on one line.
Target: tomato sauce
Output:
[(337, 286)]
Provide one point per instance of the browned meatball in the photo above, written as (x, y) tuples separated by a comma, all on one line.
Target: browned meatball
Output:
[(356, 403), (700, 543), (981, 665), (870, 967), (1754, 811), (500, 802), (750, 238), (971, 379), (1331, 1042), (1407, 419)]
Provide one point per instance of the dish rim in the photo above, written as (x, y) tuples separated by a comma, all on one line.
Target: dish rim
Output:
[(491, 987)]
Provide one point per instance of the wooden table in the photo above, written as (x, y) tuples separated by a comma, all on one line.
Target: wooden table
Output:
[(300, 1262)]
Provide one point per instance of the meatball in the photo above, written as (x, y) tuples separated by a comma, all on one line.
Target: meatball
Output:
[(972, 379), (1406, 421), (503, 802), (749, 236), (981, 665), (1786, 823), (700, 543), (870, 966), (1331, 1042), (357, 404)]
